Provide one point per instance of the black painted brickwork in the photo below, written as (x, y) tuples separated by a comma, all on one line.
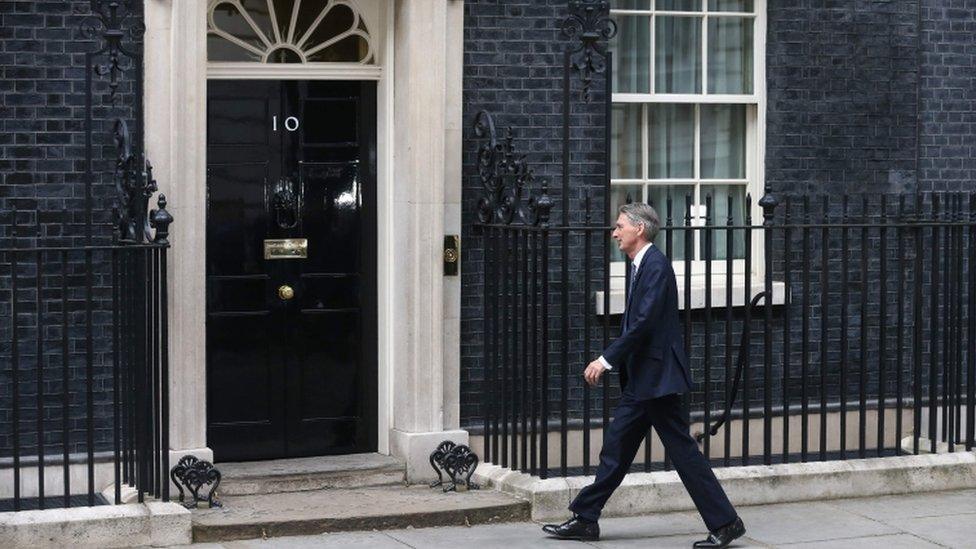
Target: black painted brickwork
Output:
[(841, 114), (42, 91), (513, 68), (845, 112), (948, 96), (861, 102)]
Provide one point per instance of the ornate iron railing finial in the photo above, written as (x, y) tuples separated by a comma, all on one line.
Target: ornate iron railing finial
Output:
[(134, 187), (111, 21), (768, 203), (590, 22), (505, 177), (160, 219)]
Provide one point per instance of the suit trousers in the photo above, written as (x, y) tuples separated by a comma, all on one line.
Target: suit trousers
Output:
[(621, 441)]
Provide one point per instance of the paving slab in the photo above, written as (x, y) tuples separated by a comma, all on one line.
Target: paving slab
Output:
[(665, 530), (363, 509), (651, 526), (891, 509), (683, 541), (897, 541), (949, 531), (811, 521), (350, 540), (523, 535)]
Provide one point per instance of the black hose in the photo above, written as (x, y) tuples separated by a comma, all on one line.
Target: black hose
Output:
[(739, 363)]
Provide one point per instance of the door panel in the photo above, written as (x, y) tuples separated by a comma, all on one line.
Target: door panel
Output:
[(247, 365), (328, 352), (333, 206), (291, 376), (236, 203)]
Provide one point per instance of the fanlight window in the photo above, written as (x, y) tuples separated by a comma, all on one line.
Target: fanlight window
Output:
[(287, 31)]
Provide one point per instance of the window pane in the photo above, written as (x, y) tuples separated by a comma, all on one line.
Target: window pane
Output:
[(630, 4), (677, 55), (719, 216), (730, 54), (620, 195), (229, 19), (283, 9), (657, 197), (679, 5), (219, 49), (723, 141), (258, 10), (349, 49), (340, 19), (671, 141), (625, 147), (632, 54), (730, 5)]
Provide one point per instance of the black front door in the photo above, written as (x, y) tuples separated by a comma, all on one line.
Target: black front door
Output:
[(291, 321)]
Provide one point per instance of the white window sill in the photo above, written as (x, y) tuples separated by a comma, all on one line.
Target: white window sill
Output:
[(718, 291)]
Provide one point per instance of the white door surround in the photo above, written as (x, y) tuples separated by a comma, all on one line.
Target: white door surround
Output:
[(418, 48)]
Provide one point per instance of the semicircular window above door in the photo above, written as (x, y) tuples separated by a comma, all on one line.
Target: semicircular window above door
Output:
[(287, 31)]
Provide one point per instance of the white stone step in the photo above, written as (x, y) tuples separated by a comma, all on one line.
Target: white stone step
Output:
[(304, 474), (377, 508)]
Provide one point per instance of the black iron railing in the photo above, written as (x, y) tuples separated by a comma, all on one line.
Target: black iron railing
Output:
[(836, 331), (837, 327), (86, 359), (83, 302)]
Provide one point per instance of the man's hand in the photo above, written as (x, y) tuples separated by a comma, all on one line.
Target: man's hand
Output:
[(593, 372)]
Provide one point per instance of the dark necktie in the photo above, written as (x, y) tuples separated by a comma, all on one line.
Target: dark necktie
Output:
[(630, 293)]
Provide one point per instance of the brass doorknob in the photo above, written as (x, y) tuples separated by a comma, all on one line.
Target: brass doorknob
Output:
[(285, 292)]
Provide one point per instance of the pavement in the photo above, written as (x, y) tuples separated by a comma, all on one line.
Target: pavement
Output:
[(933, 519)]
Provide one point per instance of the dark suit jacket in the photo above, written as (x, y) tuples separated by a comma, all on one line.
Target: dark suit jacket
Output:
[(649, 352)]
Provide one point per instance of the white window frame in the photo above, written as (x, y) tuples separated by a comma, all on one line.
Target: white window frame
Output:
[(755, 158), (370, 12), (755, 122)]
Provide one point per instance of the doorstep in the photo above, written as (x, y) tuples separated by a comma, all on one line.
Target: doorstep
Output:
[(312, 473), (349, 509)]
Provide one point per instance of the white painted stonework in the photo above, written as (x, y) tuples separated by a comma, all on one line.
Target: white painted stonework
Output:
[(152, 524), (663, 492), (418, 46)]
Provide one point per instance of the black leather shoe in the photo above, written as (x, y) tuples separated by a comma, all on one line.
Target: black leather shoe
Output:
[(575, 528), (723, 536)]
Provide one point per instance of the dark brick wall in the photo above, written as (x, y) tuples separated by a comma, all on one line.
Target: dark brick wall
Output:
[(947, 157), (860, 101), (844, 115), (845, 99), (841, 101), (513, 68), (42, 152)]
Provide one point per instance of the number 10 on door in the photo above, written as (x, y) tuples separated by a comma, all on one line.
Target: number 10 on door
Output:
[(291, 123)]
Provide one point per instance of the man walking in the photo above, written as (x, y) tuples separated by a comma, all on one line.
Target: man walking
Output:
[(654, 372)]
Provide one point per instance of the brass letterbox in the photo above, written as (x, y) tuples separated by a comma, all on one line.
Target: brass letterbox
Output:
[(286, 248)]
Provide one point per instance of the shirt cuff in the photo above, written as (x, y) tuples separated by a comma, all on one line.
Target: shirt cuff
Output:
[(605, 363)]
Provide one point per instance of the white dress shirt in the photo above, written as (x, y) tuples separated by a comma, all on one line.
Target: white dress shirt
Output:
[(636, 267)]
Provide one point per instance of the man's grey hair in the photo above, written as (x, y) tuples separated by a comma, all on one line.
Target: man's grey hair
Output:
[(641, 213)]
